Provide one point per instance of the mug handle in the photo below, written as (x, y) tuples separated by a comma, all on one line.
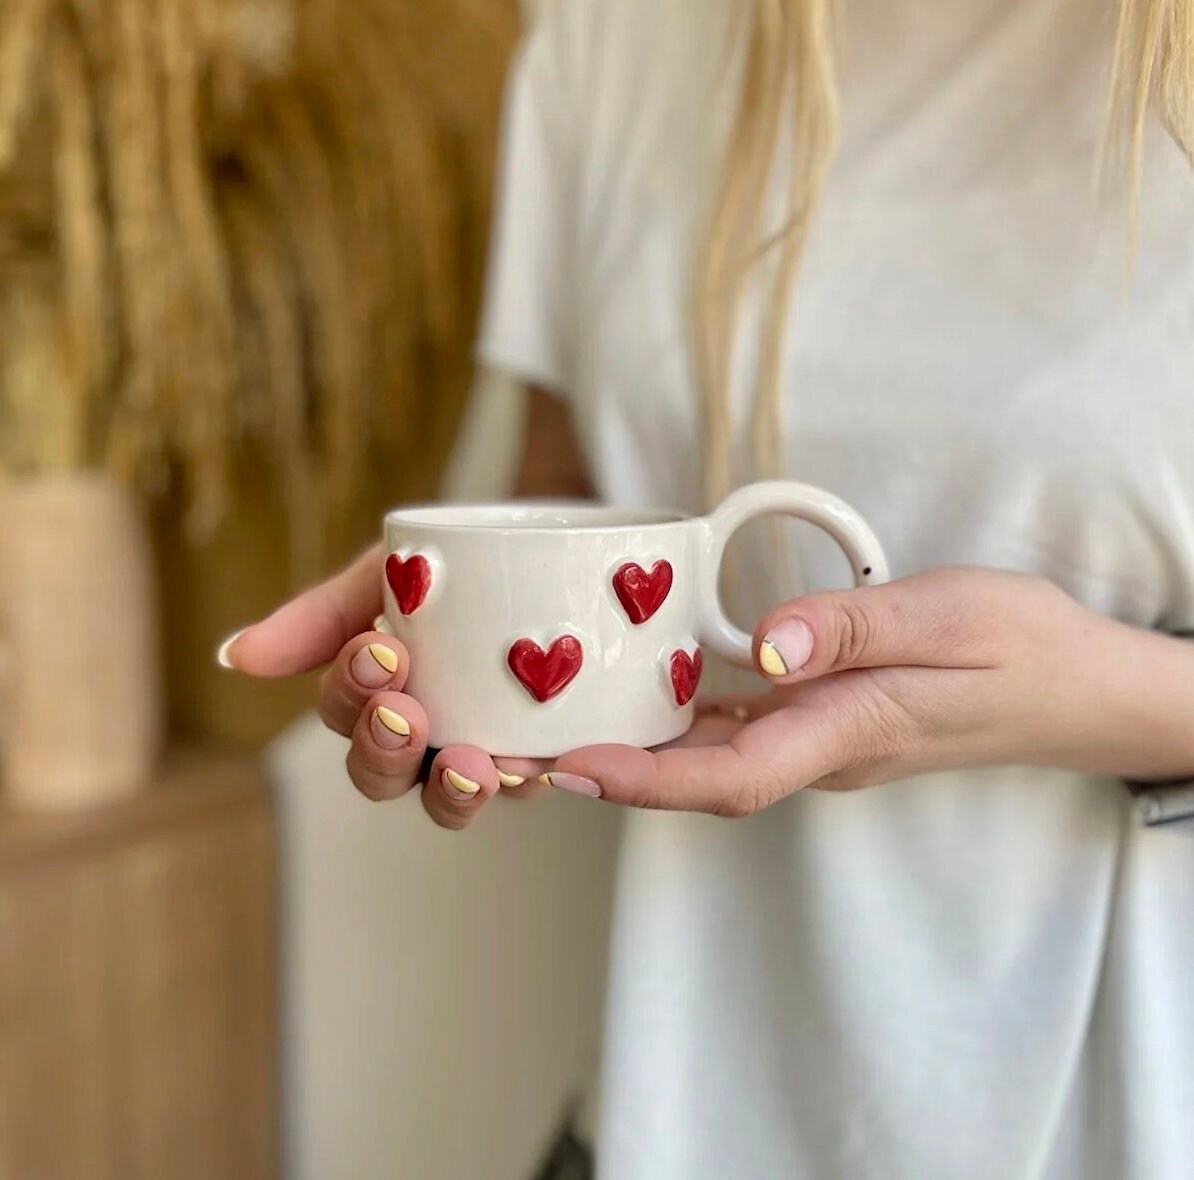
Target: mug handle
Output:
[(783, 498)]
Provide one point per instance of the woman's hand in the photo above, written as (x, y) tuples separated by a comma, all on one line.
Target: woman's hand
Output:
[(952, 668), (361, 694)]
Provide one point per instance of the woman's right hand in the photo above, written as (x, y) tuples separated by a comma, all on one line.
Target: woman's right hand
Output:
[(361, 694), (332, 624)]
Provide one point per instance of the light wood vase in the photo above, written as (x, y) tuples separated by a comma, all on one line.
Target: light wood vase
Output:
[(80, 700)]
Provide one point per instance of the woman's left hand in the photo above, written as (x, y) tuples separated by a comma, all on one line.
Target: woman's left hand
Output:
[(951, 668)]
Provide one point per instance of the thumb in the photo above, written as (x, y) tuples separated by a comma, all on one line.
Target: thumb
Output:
[(309, 630), (933, 620)]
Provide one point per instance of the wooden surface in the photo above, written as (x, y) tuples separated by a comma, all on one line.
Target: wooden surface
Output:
[(137, 994)]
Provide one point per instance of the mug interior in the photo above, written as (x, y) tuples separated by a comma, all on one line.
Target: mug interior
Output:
[(543, 516)]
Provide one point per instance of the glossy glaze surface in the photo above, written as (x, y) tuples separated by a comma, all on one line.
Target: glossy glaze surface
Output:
[(537, 628)]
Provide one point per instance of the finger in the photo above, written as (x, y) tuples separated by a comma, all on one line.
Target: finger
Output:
[(712, 729), (388, 741), (696, 779), (462, 780), (940, 620), (519, 777), (756, 766), (366, 665), (308, 631)]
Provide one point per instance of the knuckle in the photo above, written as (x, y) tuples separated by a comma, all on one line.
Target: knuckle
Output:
[(878, 729), (368, 783), (754, 793), (835, 780), (738, 804), (641, 796), (890, 729), (855, 632), (448, 818)]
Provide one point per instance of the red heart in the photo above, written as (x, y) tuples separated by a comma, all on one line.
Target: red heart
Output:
[(545, 674), (686, 675), (410, 580), (640, 593)]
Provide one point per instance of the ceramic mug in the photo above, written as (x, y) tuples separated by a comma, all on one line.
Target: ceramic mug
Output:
[(534, 628)]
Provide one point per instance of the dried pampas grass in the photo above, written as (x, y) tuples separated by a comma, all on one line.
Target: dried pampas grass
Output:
[(243, 222)]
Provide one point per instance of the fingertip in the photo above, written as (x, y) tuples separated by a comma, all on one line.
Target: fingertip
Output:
[(468, 770), (387, 746), (606, 759), (785, 648), (519, 777), (514, 773), (374, 661), (391, 730), (462, 779), (459, 786), (224, 652), (600, 771)]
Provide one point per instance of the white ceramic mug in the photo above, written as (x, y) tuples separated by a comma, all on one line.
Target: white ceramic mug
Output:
[(535, 628)]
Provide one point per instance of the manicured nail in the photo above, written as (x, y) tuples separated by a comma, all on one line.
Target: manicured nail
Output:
[(786, 648), (373, 665), (224, 651), (510, 780), (390, 730), (573, 783), (459, 786)]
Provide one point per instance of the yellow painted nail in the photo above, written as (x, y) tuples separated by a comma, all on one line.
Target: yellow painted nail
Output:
[(387, 657), (770, 660), (458, 782), (394, 722), (510, 780), (545, 779), (224, 650)]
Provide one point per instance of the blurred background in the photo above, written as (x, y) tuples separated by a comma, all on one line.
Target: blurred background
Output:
[(241, 253)]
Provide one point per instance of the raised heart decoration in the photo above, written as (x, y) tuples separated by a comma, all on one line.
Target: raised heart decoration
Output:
[(640, 593), (545, 674), (410, 579), (686, 675)]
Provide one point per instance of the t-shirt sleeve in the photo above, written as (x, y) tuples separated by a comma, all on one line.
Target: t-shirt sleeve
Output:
[(526, 315)]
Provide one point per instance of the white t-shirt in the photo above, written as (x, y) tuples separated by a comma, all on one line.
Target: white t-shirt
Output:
[(986, 975)]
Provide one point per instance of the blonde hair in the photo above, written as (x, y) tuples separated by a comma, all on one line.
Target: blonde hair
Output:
[(789, 88)]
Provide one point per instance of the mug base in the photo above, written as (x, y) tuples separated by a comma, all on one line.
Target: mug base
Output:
[(550, 742)]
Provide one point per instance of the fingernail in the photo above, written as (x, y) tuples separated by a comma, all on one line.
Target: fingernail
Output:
[(572, 783), (373, 665), (786, 648), (390, 730), (458, 785), (510, 780), (224, 651)]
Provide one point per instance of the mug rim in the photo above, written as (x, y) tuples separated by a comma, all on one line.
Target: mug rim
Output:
[(516, 518)]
